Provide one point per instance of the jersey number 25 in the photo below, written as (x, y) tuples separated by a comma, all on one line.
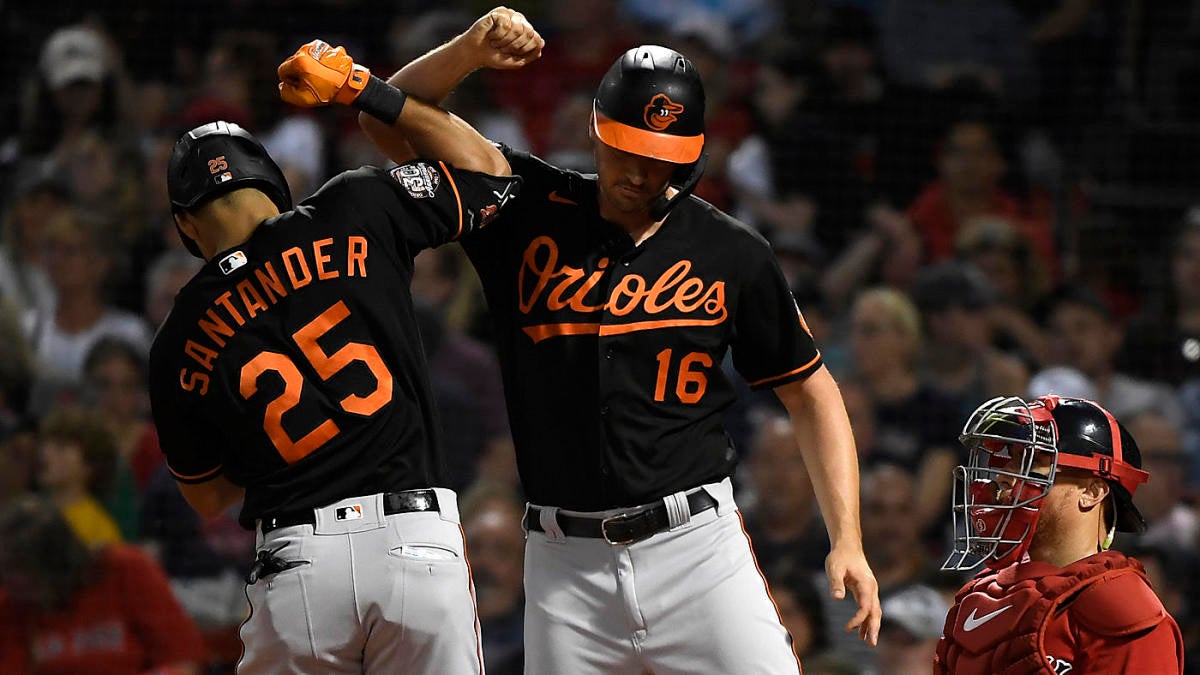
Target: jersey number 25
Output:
[(326, 365)]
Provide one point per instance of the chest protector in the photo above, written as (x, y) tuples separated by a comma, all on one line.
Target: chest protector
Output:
[(998, 623)]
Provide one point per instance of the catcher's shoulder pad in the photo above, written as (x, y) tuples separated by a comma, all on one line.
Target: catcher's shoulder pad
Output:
[(1121, 603)]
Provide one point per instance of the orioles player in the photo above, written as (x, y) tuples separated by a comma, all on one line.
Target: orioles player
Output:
[(616, 298), (289, 380), (1046, 485)]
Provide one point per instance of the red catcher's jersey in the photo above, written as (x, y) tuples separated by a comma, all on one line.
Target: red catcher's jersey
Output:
[(612, 354), (1095, 616)]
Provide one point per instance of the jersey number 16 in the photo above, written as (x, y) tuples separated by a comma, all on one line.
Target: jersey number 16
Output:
[(326, 365)]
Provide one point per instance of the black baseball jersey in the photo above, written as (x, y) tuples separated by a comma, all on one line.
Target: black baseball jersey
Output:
[(611, 353), (291, 363)]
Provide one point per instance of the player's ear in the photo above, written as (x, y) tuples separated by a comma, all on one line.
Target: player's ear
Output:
[(1094, 492), (187, 224)]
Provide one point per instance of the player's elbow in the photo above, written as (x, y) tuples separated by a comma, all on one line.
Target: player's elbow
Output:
[(211, 499)]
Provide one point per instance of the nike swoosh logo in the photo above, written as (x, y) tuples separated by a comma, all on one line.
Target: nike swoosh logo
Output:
[(972, 622), (559, 199)]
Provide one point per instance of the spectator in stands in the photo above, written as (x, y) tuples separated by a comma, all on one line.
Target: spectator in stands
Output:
[(1163, 342), (937, 44), (78, 260), (912, 425), (851, 95), (1171, 521), (1004, 255), (16, 371), (1084, 335), (960, 360), (463, 371), (783, 521), (77, 458), (799, 604), (39, 196), (169, 272), (709, 42), (66, 608), (115, 387), (205, 560), (750, 20), (795, 173), (892, 539), (890, 498), (970, 167), (491, 516), (78, 90), (912, 624), (577, 54)]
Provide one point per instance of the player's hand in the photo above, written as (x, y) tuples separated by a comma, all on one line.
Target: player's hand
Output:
[(503, 39), (319, 74), (847, 568)]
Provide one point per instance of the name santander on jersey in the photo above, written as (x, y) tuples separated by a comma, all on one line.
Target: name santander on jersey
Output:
[(261, 288)]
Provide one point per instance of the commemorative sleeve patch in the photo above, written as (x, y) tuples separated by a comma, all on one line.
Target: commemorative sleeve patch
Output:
[(419, 179)]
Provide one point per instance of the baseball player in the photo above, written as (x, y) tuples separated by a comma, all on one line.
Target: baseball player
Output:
[(616, 298), (1047, 484), (289, 379)]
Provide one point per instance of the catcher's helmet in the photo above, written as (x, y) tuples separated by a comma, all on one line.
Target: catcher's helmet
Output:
[(217, 158), (1005, 438), (651, 103)]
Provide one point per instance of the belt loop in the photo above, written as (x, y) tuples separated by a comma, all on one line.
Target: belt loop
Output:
[(548, 518), (679, 511)]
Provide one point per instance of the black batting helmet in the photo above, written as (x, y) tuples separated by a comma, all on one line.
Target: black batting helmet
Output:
[(217, 158), (651, 103)]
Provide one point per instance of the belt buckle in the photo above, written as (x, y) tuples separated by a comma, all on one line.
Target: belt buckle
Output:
[(615, 518)]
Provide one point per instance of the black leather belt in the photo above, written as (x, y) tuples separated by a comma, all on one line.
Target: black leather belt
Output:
[(621, 528), (409, 501)]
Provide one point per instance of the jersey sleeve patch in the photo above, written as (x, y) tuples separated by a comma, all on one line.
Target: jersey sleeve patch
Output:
[(419, 179), (1122, 604)]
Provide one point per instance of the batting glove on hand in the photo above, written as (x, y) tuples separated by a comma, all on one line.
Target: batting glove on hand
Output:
[(319, 74)]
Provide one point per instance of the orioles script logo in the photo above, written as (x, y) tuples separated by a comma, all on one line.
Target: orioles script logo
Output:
[(661, 112), (542, 282)]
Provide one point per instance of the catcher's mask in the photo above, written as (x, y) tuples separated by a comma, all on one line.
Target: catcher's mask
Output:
[(651, 103), (217, 158), (1015, 450)]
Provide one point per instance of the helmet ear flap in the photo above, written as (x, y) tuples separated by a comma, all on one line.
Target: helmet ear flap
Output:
[(686, 176)]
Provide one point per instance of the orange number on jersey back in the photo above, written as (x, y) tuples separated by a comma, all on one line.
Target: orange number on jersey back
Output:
[(690, 384), (326, 365)]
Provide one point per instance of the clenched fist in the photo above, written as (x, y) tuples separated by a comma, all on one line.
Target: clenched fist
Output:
[(504, 39), (318, 74)]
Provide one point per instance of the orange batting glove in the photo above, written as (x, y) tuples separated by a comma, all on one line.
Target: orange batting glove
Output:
[(318, 74)]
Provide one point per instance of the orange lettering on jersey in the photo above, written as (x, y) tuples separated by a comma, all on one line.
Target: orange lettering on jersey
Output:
[(200, 354), (269, 279), (542, 281), (215, 328), (296, 267), (191, 381), (356, 256), (322, 259), (223, 300), (251, 300)]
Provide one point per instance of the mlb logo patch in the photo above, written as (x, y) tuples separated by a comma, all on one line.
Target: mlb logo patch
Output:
[(419, 179), (223, 177), (352, 512), (232, 262)]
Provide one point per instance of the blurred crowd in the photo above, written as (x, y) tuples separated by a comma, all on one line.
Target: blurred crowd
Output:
[(970, 198)]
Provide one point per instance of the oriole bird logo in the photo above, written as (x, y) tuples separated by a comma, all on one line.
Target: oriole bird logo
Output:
[(662, 112)]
